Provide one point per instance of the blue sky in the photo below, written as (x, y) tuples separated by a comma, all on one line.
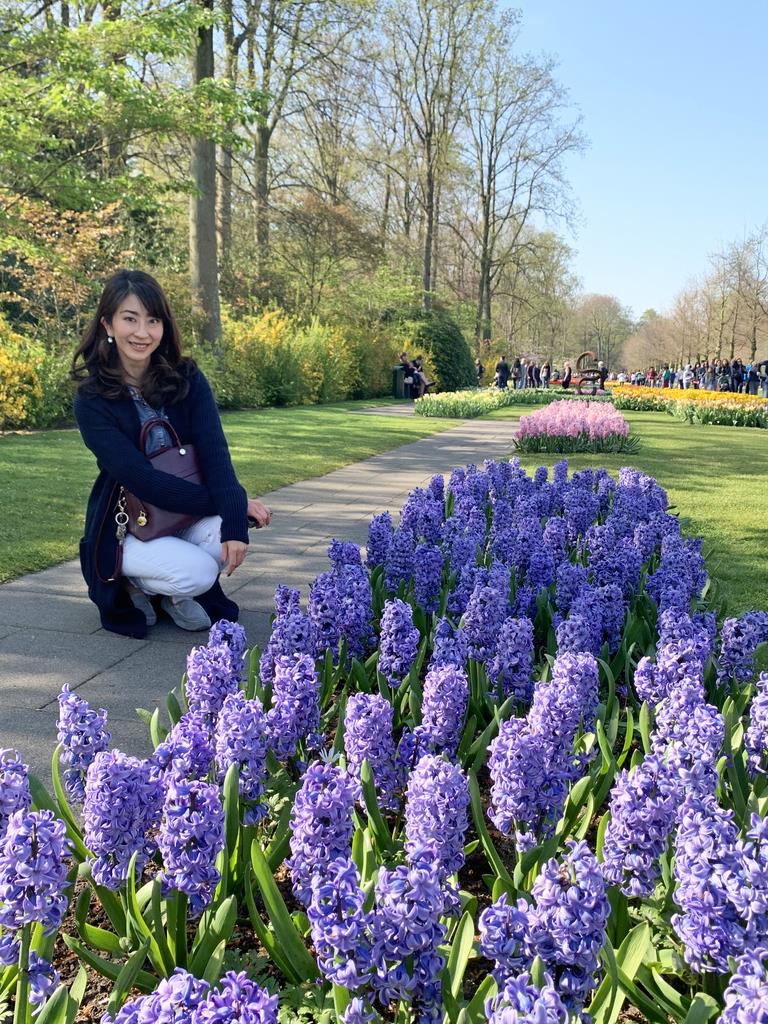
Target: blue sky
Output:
[(674, 98)]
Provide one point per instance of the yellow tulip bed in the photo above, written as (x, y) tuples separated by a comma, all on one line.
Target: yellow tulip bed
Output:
[(723, 408)]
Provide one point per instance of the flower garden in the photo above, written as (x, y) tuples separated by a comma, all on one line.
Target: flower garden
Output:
[(510, 767), (695, 405), (563, 427), (480, 401)]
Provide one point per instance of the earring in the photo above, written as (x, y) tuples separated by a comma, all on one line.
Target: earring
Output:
[(110, 340)]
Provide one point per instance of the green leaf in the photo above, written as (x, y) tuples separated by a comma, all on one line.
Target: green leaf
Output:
[(461, 950), (378, 826), (478, 816), (645, 727), (136, 920), (174, 708), (76, 993), (219, 930), (99, 938), (476, 1006), (285, 931), (55, 1009), (127, 978), (702, 1009), (213, 967), (267, 937), (609, 999), (157, 730), (144, 982)]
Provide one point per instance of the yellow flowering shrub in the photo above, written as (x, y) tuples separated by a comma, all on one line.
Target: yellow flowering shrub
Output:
[(19, 382), (695, 405)]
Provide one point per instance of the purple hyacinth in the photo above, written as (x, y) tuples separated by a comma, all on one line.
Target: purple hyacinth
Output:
[(82, 733), (295, 713), (530, 779), (676, 662), (428, 575), (739, 639), (241, 739), (511, 670), (33, 871), (689, 736), (436, 818), (379, 538), (368, 736), (232, 635), (520, 1002), (443, 709), (339, 924), (237, 1000), (324, 608), (568, 699), (123, 803), (344, 552), (175, 999), (43, 980), (406, 932), (571, 580), (643, 805), (503, 931), (211, 675), (400, 559), (707, 869), (756, 736), (746, 998), (189, 747), (14, 787), (449, 645), (399, 642), (567, 921), (190, 839), (582, 631), (485, 613), (293, 632), (355, 596), (321, 825)]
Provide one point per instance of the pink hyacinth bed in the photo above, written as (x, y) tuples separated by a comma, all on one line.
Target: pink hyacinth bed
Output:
[(575, 427)]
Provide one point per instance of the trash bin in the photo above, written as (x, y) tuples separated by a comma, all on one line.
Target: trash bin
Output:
[(398, 382)]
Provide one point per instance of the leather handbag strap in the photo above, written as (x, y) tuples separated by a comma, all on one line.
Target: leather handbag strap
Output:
[(154, 422)]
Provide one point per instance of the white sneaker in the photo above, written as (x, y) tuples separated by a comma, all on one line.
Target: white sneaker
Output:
[(142, 602), (186, 613)]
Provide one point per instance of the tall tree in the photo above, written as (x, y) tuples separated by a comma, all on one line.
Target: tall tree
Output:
[(203, 245), (430, 60), (518, 139)]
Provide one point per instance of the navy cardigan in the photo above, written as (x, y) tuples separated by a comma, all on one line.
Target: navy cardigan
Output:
[(111, 429)]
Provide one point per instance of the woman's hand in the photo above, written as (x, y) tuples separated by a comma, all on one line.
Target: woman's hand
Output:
[(232, 555), (258, 510)]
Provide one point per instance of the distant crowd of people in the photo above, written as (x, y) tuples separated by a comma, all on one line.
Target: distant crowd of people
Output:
[(528, 373), (716, 375)]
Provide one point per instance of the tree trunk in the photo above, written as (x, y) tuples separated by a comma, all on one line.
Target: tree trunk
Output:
[(203, 248), (263, 138), (429, 216), (435, 236)]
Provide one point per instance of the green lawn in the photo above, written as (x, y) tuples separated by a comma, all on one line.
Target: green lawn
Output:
[(717, 480), (45, 477)]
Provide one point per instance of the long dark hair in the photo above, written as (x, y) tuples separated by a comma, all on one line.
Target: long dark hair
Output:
[(96, 364)]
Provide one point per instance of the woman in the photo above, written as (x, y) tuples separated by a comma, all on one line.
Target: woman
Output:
[(130, 369), (567, 375)]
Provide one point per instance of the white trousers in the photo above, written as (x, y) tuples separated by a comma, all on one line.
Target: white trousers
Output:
[(184, 565)]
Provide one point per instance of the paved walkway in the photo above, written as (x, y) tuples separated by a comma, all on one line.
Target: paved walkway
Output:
[(50, 634)]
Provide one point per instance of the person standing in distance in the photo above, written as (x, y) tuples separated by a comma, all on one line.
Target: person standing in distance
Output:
[(130, 369)]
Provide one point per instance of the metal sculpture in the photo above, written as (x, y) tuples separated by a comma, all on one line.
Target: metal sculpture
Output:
[(587, 374)]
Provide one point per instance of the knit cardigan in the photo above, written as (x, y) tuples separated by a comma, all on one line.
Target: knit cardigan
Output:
[(111, 429)]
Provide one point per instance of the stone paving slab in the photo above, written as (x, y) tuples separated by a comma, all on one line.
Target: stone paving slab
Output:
[(50, 633)]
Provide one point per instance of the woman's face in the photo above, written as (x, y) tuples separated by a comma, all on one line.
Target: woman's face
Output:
[(136, 334)]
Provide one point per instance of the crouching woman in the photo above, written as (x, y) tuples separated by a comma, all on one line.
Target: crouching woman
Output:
[(130, 371)]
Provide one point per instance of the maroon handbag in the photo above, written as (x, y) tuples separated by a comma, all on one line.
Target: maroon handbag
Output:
[(139, 517)]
